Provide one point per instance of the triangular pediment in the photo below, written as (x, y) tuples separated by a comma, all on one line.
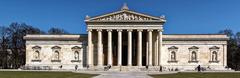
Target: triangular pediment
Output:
[(193, 47), (56, 47), (36, 47), (125, 15), (173, 47), (214, 47)]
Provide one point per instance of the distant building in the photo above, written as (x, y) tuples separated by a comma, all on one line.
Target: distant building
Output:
[(128, 41)]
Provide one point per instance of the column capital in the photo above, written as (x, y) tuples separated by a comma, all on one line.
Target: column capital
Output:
[(119, 30), (150, 30), (89, 30), (99, 30), (109, 30), (129, 30), (139, 30)]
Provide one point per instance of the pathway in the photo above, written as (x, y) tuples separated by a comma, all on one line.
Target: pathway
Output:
[(116, 74), (123, 75)]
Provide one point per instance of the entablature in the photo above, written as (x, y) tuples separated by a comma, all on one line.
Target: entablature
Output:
[(155, 27)]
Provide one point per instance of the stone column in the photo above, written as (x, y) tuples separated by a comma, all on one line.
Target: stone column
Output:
[(139, 47), (150, 47), (109, 47), (159, 46), (224, 55), (119, 47), (129, 47), (90, 51), (156, 45), (100, 48), (147, 52)]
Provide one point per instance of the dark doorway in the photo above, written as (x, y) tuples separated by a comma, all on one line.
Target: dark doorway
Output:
[(124, 55), (144, 52)]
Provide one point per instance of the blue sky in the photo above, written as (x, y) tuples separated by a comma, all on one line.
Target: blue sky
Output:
[(183, 16)]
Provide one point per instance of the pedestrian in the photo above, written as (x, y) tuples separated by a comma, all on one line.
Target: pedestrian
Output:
[(87, 66), (60, 66), (199, 68), (76, 67), (160, 69), (110, 66), (147, 67)]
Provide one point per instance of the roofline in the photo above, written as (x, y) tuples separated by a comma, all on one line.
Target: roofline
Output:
[(114, 12), (196, 39), (208, 37), (163, 34), (70, 37), (57, 34), (123, 21), (194, 34)]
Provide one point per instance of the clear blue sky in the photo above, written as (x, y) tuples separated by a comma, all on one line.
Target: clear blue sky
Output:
[(183, 16)]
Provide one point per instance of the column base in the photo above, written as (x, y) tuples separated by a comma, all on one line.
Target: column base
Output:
[(109, 64), (139, 65), (100, 65), (90, 65)]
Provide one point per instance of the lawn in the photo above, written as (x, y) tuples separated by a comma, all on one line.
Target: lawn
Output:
[(199, 75), (25, 74)]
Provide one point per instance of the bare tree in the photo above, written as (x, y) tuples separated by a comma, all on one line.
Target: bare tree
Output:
[(3, 47), (57, 31), (12, 38)]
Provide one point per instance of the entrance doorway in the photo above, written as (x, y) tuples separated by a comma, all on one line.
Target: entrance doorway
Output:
[(125, 55)]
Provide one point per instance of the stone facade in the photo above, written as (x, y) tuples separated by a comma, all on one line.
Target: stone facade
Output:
[(41, 51), (203, 54), (127, 40)]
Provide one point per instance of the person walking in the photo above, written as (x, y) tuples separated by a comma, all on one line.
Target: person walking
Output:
[(199, 68), (160, 69), (76, 67)]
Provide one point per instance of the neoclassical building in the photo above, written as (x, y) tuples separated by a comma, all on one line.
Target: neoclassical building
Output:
[(128, 41)]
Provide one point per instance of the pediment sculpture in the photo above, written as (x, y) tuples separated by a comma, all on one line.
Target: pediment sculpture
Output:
[(124, 16)]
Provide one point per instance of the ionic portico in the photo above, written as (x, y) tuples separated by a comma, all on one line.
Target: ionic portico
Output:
[(124, 38), (134, 47)]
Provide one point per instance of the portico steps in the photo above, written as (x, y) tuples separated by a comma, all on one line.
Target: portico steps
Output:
[(124, 68), (135, 68)]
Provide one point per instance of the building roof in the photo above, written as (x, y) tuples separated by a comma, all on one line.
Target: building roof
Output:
[(55, 37), (195, 37), (166, 37)]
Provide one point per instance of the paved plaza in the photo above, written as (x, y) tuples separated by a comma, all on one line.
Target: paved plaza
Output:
[(123, 75), (108, 74)]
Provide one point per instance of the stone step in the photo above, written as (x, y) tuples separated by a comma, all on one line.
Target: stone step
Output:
[(123, 68), (127, 68)]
